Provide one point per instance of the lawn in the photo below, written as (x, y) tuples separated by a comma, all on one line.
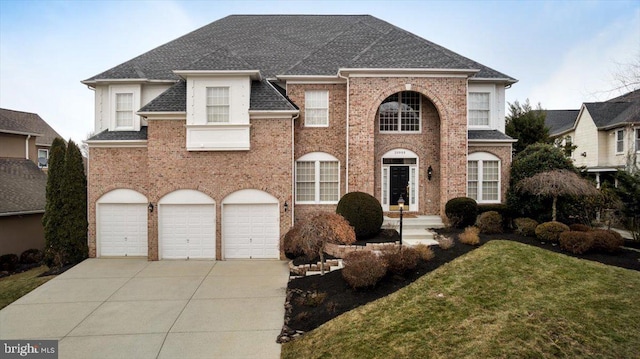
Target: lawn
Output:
[(15, 286), (503, 300)]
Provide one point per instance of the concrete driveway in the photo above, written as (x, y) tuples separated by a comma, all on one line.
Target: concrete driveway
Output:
[(132, 308)]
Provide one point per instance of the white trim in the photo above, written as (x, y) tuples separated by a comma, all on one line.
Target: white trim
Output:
[(127, 81), (310, 79), (186, 196), (616, 140), (20, 133), (414, 72), (250, 196), (116, 143), (272, 114), (481, 157), (492, 142), (495, 80), (413, 178), (163, 115), (399, 118), (122, 196), (325, 95)]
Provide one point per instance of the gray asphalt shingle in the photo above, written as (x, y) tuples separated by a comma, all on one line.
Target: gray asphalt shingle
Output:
[(489, 135), (107, 135), (22, 186), (27, 122), (559, 121)]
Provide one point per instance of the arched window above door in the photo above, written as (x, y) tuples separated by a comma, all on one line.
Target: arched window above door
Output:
[(400, 112)]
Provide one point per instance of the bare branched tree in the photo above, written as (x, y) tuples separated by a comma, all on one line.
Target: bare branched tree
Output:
[(557, 183), (627, 75), (321, 229)]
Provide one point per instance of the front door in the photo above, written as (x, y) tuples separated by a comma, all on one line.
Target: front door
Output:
[(399, 184)]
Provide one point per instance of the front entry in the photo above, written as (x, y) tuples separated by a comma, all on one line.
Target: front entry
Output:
[(399, 179), (399, 186)]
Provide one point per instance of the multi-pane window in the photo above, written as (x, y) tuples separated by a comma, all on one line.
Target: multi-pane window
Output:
[(317, 179), (316, 105), (637, 139), (400, 112), (217, 104), (483, 177), (479, 109), (124, 110), (619, 141), (43, 158)]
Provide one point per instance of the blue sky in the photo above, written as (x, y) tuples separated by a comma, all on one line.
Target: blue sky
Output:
[(562, 52)]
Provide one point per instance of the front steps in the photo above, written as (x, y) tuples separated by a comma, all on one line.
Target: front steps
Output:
[(415, 230)]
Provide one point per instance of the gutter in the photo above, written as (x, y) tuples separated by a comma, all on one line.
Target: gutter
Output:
[(346, 166), (7, 214), (293, 168)]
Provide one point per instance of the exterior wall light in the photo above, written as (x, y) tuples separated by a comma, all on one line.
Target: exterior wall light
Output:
[(429, 172), (150, 207), (286, 206)]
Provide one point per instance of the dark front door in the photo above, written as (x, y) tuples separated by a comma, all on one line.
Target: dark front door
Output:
[(399, 182)]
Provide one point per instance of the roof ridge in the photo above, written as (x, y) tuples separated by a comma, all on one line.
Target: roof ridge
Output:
[(8, 109)]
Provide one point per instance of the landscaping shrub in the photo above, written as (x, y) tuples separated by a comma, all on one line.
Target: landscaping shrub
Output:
[(526, 226), (399, 261), (550, 231), (444, 242), (291, 242), (576, 242), (424, 252), (321, 229), (363, 269), (9, 262), (490, 222), (470, 236), (31, 256), (579, 227), (363, 212), (461, 211), (606, 240)]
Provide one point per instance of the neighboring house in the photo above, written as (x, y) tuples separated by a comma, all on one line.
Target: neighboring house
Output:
[(25, 139), (606, 135), (212, 145)]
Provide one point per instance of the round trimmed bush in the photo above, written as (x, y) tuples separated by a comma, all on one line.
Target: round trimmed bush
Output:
[(291, 242), (9, 262), (31, 256), (550, 231), (402, 260), (490, 222), (363, 212), (576, 242), (461, 211), (606, 240), (526, 226), (363, 269)]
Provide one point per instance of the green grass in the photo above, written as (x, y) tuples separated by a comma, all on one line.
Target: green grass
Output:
[(503, 300), (15, 286)]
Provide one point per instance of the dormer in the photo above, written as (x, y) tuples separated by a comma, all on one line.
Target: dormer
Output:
[(218, 109), (124, 101), (485, 106)]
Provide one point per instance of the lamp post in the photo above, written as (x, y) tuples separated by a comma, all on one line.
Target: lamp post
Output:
[(401, 205)]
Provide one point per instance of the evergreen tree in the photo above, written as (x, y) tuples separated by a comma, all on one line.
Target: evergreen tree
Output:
[(53, 218), (526, 125), (74, 208)]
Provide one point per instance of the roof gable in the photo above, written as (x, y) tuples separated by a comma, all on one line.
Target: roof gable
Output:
[(27, 122), (559, 121), (293, 44)]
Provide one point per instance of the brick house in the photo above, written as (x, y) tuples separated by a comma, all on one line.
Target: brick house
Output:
[(212, 145)]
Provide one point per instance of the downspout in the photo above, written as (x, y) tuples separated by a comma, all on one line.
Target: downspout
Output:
[(346, 166), (293, 168), (26, 147)]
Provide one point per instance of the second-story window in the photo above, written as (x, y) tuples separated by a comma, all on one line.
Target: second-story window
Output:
[(637, 139), (479, 109), (217, 104), (619, 141), (316, 108), (124, 110), (400, 112)]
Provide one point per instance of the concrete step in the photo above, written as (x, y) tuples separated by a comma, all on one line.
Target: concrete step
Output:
[(416, 233), (419, 222), (413, 242)]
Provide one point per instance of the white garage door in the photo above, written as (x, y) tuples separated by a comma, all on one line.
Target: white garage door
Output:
[(188, 231), (251, 231), (122, 229)]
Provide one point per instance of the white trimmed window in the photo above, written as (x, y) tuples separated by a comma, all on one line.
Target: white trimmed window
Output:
[(43, 158), (400, 112), (479, 109), (316, 108), (317, 179), (124, 110), (637, 139), (483, 177), (217, 104), (620, 141)]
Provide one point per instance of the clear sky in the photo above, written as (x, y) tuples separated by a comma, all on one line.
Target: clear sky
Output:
[(562, 52)]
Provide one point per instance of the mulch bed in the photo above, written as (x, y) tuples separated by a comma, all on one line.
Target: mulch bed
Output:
[(314, 300)]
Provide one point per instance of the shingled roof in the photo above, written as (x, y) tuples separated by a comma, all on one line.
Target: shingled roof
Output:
[(22, 187), (294, 45), (560, 121), (27, 123), (611, 114)]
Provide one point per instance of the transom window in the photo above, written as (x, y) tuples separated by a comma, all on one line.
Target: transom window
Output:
[(317, 179), (124, 110), (483, 173), (619, 141), (316, 108), (217, 104), (400, 112), (479, 109)]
